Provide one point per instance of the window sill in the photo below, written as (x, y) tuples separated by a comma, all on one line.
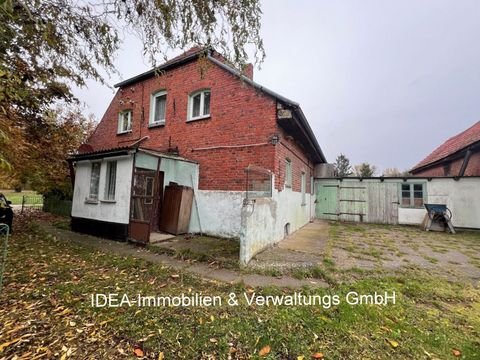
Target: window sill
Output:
[(91, 201), (411, 207), (108, 201), (155, 125), (124, 132), (199, 118)]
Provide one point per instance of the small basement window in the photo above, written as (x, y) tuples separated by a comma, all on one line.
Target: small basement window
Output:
[(158, 105), (412, 195), (94, 181), (111, 180), (124, 121), (199, 105)]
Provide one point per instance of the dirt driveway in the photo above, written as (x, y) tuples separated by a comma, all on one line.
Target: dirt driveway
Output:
[(360, 248)]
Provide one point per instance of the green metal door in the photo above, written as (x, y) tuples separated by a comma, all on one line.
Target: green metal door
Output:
[(326, 203)]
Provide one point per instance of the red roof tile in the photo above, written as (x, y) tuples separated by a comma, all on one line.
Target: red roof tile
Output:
[(452, 145)]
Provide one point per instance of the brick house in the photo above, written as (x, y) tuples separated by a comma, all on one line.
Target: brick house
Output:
[(197, 122), (458, 156)]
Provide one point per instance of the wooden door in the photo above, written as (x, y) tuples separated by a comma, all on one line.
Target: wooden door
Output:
[(326, 203), (383, 203), (142, 204)]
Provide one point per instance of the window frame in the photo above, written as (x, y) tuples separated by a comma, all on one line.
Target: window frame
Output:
[(303, 187), (202, 92), (120, 121), (91, 196), (153, 98), (106, 195), (288, 173), (412, 191)]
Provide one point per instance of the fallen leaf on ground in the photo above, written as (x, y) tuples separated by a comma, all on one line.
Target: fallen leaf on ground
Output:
[(138, 352), (317, 355), (393, 343), (456, 352), (264, 351)]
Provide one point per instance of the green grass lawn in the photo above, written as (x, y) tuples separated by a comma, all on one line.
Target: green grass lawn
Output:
[(45, 311), (16, 197)]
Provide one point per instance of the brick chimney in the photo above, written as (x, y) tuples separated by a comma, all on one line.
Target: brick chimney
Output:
[(248, 71)]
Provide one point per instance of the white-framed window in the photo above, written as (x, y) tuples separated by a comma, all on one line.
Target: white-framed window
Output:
[(199, 105), (158, 108), (94, 181), (304, 187), (124, 121), (288, 173), (412, 194), (110, 180)]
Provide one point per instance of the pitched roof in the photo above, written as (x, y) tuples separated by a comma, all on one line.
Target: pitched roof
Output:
[(451, 146), (187, 56), (194, 52)]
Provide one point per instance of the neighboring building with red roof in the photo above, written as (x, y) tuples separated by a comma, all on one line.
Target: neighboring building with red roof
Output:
[(458, 156)]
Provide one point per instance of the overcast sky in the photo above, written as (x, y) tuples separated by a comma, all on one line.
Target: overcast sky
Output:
[(381, 81)]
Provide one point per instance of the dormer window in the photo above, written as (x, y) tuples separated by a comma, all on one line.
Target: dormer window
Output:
[(158, 106), (124, 122), (199, 105)]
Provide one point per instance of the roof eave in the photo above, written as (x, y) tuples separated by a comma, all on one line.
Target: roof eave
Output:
[(296, 106), (151, 73), (450, 157)]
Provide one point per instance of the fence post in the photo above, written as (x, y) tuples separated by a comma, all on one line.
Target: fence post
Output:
[(4, 232), (23, 203)]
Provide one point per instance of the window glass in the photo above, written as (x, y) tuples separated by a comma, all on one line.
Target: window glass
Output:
[(124, 121), (94, 181), (412, 195), (160, 106), (206, 103), (288, 173), (199, 105), (111, 180), (304, 185), (196, 105)]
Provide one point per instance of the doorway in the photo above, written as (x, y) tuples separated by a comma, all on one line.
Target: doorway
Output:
[(146, 203)]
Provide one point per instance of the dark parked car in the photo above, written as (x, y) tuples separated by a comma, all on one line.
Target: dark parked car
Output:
[(6, 212)]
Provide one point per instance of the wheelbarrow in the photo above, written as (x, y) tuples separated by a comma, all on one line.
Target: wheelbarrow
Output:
[(439, 216)]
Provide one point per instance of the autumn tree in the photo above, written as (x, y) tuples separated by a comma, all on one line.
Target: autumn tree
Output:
[(37, 152), (46, 46), (395, 172), (365, 170), (342, 166)]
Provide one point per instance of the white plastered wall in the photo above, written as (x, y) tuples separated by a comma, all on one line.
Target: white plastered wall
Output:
[(263, 220), (116, 212), (461, 196)]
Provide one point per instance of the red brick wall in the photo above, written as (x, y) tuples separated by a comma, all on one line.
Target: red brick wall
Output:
[(473, 168), (240, 115), (288, 148)]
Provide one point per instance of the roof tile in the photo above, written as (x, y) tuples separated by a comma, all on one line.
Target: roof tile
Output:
[(452, 145)]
